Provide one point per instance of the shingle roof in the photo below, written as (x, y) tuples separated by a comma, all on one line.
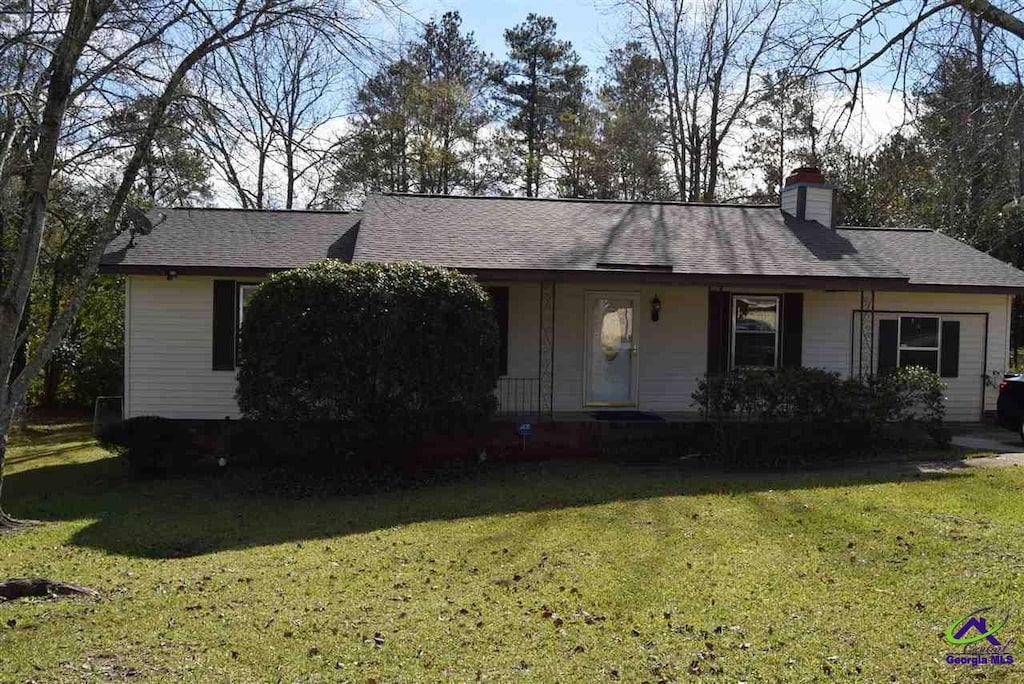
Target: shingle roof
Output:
[(236, 238), (510, 234), (930, 258), (504, 233)]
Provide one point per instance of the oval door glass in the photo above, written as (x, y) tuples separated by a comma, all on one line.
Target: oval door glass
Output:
[(611, 352)]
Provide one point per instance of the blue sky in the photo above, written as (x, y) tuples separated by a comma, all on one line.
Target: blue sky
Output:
[(593, 26), (590, 29)]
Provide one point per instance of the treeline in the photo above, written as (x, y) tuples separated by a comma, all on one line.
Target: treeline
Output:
[(708, 102), (719, 112), (444, 117)]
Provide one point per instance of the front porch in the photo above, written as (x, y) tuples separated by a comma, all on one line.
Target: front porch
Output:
[(581, 351), (615, 351), (519, 401)]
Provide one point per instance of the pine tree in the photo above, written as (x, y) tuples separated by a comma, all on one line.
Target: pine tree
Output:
[(634, 128), (536, 85), (783, 133), (420, 119)]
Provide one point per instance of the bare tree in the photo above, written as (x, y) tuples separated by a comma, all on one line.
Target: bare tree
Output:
[(710, 53), (67, 65), (851, 43), (265, 113)]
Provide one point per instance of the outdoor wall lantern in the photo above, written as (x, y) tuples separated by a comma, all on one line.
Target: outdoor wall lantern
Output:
[(655, 309)]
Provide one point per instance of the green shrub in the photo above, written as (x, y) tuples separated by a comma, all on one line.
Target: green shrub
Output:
[(393, 352), (152, 445), (913, 395), (793, 417)]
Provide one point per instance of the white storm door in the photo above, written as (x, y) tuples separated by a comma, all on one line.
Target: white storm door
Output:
[(611, 352)]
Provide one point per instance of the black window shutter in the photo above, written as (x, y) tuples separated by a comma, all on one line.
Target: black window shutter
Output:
[(499, 295), (718, 332), (888, 343), (224, 325), (949, 364), (792, 329)]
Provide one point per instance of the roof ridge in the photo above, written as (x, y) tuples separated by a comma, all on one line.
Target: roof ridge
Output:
[(889, 229), (261, 211), (580, 200)]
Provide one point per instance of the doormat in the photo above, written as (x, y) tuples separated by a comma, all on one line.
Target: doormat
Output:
[(628, 416)]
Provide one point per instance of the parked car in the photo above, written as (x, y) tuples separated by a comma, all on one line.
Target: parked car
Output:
[(1010, 407)]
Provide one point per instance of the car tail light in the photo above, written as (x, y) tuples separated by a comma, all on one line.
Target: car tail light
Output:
[(1002, 385)]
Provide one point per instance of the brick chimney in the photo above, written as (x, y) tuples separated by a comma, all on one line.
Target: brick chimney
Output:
[(806, 196)]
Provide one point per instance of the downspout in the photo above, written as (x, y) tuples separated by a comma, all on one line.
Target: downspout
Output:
[(984, 367)]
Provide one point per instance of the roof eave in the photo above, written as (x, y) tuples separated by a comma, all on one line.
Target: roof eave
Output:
[(888, 284), (173, 270), (680, 278)]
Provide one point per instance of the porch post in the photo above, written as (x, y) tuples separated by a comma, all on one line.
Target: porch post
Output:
[(546, 351), (866, 365)]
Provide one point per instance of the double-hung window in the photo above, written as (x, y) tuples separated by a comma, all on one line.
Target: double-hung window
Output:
[(755, 331), (919, 342), (245, 292)]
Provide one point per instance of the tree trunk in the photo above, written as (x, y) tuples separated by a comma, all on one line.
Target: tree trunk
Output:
[(40, 587), (51, 379), (978, 159), (289, 159), (7, 523)]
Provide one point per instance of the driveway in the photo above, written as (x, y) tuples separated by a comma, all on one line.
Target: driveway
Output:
[(973, 439), (987, 438)]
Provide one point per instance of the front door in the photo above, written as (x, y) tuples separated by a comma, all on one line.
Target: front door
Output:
[(611, 351)]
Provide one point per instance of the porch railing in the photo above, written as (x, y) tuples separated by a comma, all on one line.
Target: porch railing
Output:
[(518, 396)]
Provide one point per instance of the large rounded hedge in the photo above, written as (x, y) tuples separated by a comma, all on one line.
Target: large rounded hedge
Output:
[(397, 348)]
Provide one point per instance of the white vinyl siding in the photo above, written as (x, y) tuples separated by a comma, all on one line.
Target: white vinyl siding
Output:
[(789, 202), (169, 352), (819, 205), (169, 343), (523, 329), (827, 337), (963, 395), (671, 353), (826, 342)]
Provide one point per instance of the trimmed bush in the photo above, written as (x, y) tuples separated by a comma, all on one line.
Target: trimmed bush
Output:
[(792, 417), (152, 445), (365, 360)]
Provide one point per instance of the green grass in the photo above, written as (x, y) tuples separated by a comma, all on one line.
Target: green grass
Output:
[(539, 572)]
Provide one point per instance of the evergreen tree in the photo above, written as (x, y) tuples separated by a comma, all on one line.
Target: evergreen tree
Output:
[(888, 187), (634, 128), (537, 84), (575, 145), (174, 172), (783, 133), (972, 134), (420, 119)]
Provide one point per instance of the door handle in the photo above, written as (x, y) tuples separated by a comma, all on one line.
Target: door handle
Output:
[(632, 350)]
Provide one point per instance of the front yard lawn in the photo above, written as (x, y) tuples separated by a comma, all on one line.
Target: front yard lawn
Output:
[(569, 571)]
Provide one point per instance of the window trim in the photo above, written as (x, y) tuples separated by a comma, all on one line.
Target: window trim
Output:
[(240, 301), (733, 331), (900, 348), (239, 309)]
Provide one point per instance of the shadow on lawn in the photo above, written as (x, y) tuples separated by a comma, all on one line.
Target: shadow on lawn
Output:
[(189, 517)]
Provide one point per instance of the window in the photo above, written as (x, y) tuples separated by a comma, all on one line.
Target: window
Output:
[(755, 331), (229, 301), (245, 292), (919, 342)]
